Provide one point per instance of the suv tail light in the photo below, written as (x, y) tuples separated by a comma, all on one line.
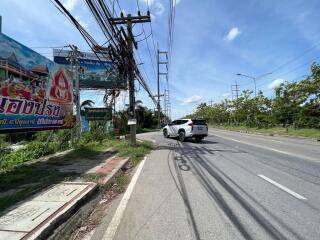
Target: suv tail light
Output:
[(191, 124), (206, 125)]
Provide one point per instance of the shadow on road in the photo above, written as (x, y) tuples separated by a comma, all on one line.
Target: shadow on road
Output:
[(201, 166)]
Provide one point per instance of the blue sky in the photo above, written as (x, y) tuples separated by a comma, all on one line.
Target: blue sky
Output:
[(213, 40)]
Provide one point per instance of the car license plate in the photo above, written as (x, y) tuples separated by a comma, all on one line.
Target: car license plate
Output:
[(200, 128)]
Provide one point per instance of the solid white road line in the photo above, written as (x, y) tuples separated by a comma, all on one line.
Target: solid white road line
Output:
[(282, 187), (268, 148), (113, 226)]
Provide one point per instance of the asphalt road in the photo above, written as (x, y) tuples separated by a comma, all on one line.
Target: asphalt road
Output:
[(230, 186)]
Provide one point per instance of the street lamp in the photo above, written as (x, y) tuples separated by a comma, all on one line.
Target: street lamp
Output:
[(254, 80)]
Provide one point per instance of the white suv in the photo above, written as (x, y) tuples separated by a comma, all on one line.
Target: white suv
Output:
[(186, 128)]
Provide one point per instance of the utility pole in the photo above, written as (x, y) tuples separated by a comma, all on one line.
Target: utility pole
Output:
[(129, 20), (167, 104), (160, 62), (158, 81), (0, 24), (74, 56), (235, 88)]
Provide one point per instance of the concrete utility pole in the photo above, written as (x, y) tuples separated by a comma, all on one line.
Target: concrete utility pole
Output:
[(129, 20), (159, 62), (0, 24), (74, 56)]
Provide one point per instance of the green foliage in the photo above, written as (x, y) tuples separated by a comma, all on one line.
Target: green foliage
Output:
[(296, 104), (118, 183), (96, 134), (33, 150), (146, 118), (85, 104)]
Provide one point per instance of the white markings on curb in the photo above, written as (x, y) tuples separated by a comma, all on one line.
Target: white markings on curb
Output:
[(268, 148), (282, 187), (113, 226), (149, 139)]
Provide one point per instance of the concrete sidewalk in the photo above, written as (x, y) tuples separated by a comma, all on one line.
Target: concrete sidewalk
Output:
[(40, 214)]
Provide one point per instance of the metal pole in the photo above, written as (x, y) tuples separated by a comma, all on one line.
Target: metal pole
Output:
[(158, 81), (78, 117), (0, 24), (131, 82), (255, 87)]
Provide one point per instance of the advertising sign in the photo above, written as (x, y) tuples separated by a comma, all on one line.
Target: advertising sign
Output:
[(35, 93), (96, 72), (95, 114)]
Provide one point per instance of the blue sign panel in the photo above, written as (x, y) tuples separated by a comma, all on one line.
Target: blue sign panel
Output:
[(97, 72)]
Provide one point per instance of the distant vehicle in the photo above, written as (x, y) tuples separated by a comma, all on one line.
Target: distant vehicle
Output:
[(186, 128)]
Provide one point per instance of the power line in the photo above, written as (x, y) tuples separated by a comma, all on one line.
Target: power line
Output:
[(144, 33), (47, 47), (294, 69), (153, 42), (291, 61), (297, 57)]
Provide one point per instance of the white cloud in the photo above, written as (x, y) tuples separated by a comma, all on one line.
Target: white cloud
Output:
[(275, 83), (159, 8), (69, 4), (156, 6), (190, 100), (232, 34), (225, 95), (151, 2), (148, 2), (152, 16), (83, 23), (176, 2)]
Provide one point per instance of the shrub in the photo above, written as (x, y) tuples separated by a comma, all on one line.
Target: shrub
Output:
[(32, 151)]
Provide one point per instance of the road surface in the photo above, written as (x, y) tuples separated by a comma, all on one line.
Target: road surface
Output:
[(231, 186)]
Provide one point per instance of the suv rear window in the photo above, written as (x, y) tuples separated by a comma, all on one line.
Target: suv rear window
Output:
[(199, 122), (183, 121)]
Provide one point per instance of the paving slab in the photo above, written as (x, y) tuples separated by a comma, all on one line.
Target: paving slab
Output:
[(12, 235), (28, 215), (110, 169), (61, 193), (29, 219), (34, 216)]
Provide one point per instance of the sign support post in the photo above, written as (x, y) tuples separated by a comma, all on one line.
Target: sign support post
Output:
[(74, 58)]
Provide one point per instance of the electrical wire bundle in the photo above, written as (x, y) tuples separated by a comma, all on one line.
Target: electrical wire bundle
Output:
[(117, 49)]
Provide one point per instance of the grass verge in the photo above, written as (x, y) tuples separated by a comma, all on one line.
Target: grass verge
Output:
[(22, 181), (146, 130), (301, 132)]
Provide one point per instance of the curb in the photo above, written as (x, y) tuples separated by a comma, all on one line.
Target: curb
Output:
[(56, 211), (66, 226)]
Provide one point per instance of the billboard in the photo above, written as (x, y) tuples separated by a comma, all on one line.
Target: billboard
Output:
[(35, 93), (97, 72), (95, 114)]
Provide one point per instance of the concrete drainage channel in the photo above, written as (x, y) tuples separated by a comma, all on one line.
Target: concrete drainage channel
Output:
[(62, 210), (81, 223)]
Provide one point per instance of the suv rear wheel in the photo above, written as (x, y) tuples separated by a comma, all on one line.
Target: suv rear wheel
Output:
[(165, 133), (182, 136)]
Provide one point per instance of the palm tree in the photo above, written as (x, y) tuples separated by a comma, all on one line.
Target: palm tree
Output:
[(139, 110), (85, 104), (138, 105)]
